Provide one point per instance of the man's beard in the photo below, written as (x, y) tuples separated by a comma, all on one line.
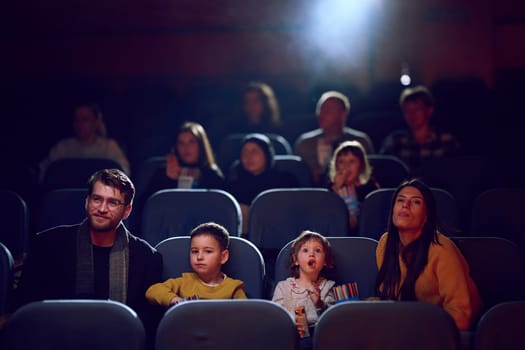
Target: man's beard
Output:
[(109, 225)]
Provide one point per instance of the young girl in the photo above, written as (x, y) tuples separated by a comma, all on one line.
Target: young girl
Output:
[(311, 256), (350, 178)]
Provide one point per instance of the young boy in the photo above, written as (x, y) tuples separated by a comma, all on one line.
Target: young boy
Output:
[(208, 252)]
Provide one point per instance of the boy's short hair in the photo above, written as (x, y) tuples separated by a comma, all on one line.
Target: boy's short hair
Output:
[(213, 229), (336, 95), (417, 93)]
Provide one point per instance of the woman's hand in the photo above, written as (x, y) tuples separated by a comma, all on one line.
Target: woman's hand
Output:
[(172, 167)]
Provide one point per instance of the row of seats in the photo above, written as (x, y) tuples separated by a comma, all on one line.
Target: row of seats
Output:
[(464, 177), (496, 265), (276, 216), (389, 170), (73, 172), (256, 324)]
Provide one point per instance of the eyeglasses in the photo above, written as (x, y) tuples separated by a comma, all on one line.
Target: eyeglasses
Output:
[(111, 203)]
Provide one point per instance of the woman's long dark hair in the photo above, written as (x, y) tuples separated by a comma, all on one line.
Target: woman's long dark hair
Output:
[(206, 156), (271, 115), (415, 255)]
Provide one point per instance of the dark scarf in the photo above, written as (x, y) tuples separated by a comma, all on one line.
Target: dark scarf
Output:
[(118, 264)]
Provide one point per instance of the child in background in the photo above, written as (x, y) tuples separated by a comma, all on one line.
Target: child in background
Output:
[(255, 173), (208, 252), (310, 258), (351, 178)]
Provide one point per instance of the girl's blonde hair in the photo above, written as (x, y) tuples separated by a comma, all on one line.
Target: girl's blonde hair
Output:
[(357, 149)]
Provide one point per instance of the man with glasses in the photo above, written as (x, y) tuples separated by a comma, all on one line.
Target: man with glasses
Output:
[(98, 258)]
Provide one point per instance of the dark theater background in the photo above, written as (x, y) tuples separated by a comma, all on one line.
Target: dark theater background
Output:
[(153, 64)]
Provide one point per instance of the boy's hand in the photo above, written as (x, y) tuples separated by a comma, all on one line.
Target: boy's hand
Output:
[(175, 300)]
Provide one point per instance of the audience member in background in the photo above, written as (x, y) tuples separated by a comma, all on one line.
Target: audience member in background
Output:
[(90, 140), (417, 262), (351, 178), (208, 253), (258, 111), (316, 146), (98, 258), (420, 141), (255, 173), (308, 287), (190, 164)]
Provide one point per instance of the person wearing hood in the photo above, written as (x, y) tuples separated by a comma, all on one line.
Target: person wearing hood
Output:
[(255, 173)]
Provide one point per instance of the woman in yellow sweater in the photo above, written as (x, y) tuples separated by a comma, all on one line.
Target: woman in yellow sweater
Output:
[(417, 262), (208, 252)]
